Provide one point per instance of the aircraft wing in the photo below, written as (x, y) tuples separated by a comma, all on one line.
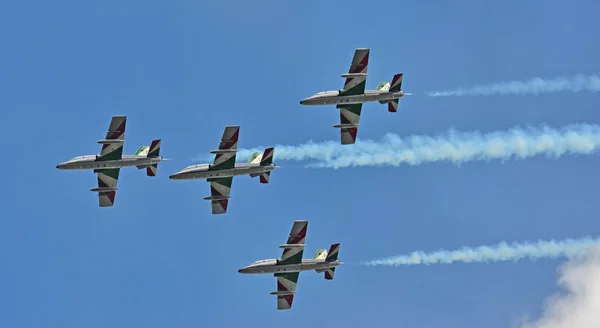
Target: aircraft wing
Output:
[(112, 144), (220, 188), (107, 186), (356, 79), (349, 121), (292, 254), (225, 155), (294, 248), (286, 287)]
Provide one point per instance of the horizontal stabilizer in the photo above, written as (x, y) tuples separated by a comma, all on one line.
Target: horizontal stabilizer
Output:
[(384, 101), (352, 75), (111, 141), (216, 197), (139, 167), (345, 126), (283, 292), (224, 151), (329, 274), (103, 189), (291, 245)]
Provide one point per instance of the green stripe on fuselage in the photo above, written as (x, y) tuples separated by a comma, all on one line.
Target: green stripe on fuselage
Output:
[(227, 164), (113, 173), (358, 89), (294, 259), (222, 181), (293, 277), (114, 155)]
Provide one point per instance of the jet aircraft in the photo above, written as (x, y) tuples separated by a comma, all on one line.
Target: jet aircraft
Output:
[(288, 267), (220, 174), (111, 159), (349, 100)]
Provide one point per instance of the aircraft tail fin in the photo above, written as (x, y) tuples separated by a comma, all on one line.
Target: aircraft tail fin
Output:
[(384, 86), (396, 84), (149, 152), (321, 254), (266, 158), (142, 151), (154, 151), (329, 256), (255, 158)]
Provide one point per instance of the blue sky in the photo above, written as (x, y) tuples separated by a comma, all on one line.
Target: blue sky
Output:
[(182, 70)]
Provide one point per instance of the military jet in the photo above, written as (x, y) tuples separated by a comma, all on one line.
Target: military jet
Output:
[(111, 159), (349, 100), (288, 267), (220, 174)]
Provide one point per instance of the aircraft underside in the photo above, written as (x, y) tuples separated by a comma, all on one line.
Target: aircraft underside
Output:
[(125, 162), (223, 173), (290, 268), (350, 100)]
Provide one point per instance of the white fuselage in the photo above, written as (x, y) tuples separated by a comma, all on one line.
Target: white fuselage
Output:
[(333, 98), (271, 266), (204, 171), (89, 162)]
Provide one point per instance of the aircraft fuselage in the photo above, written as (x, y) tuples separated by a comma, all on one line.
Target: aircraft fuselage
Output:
[(205, 171), (271, 266), (333, 98), (89, 162)]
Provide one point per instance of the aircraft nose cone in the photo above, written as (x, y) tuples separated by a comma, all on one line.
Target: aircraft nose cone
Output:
[(301, 102), (240, 270)]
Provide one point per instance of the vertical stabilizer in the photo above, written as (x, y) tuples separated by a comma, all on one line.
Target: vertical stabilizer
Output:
[(383, 86), (321, 254), (142, 151), (255, 158)]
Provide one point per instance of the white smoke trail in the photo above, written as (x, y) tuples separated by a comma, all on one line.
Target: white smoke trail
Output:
[(534, 86), (500, 252), (455, 147)]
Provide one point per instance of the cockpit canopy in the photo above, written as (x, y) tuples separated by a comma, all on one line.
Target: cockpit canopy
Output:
[(263, 261), (83, 158), (197, 167), (323, 93)]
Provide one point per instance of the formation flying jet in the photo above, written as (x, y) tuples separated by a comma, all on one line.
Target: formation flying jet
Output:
[(288, 267), (349, 100), (220, 174), (111, 159)]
